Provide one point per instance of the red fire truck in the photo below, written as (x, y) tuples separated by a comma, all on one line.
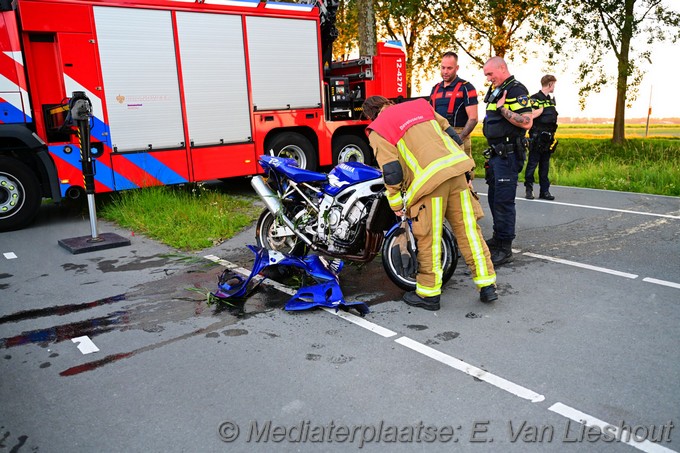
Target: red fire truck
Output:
[(181, 91)]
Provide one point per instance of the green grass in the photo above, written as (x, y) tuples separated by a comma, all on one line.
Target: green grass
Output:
[(640, 165), (187, 218)]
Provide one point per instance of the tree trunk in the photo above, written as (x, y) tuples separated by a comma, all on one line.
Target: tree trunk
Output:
[(367, 39), (622, 78)]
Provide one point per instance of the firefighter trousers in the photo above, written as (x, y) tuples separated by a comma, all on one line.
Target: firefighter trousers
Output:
[(452, 201)]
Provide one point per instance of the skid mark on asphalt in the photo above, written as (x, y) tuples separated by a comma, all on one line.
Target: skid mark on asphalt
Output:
[(464, 367)]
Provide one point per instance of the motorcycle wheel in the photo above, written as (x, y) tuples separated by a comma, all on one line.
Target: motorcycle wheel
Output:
[(271, 234), (449, 260)]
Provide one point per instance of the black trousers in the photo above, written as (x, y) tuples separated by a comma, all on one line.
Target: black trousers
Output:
[(539, 156)]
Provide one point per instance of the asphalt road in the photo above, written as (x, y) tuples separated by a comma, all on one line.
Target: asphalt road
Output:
[(585, 334)]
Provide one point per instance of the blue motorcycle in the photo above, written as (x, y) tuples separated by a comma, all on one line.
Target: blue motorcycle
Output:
[(341, 214)]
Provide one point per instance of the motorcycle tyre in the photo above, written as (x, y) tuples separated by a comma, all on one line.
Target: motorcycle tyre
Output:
[(449, 253), (264, 224)]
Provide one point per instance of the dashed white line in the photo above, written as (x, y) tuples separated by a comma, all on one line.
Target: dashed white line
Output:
[(661, 282), (584, 266), (375, 328), (10, 255), (623, 435), (473, 371), (599, 208)]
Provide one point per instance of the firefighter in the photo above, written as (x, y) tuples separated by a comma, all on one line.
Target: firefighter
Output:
[(425, 173), (508, 117), (542, 141)]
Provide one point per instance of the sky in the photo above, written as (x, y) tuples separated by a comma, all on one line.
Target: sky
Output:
[(666, 62)]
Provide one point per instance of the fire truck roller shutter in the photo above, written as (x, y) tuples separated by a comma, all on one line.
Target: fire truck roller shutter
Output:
[(351, 148), (139, 70), (214, 78), (284, 63), (295, 146)]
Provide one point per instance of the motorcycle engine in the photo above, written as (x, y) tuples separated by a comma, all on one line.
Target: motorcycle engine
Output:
[(339, 231)]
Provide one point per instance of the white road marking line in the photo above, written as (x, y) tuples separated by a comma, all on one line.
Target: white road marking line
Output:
[(85, 345), (10, 255), (661, 282), (245, 272), (588, 420), (468, 369), (473, 371), (584, 266), (359, 321), (600, 208)]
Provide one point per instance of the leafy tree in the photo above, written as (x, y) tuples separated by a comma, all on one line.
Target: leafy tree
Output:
[(367, 36), (406, 21), (616, 26), (486, 28), (347, 23)]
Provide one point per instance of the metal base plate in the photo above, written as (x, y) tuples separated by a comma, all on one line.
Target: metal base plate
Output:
[(84, 244)]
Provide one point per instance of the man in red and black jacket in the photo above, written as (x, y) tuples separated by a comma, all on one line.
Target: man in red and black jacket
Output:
[(456, 100)]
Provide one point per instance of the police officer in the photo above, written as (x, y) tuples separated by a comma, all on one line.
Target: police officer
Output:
[(542, 141), (424, 172), (456, 100), (508, 117)]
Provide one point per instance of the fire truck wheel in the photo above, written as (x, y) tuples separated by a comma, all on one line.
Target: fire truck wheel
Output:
[(295, 146), (19, 194), (351, 148)]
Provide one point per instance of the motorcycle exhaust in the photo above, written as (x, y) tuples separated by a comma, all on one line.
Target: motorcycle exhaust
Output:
[(273, 203)]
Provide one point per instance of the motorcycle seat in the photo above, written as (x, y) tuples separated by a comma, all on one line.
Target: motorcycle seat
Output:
[(301, 175)]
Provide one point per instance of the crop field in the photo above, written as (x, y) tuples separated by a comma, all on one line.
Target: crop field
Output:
[(605, 131)]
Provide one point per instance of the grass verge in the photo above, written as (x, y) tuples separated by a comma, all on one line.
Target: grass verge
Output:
[(190, 217), (640, 165)]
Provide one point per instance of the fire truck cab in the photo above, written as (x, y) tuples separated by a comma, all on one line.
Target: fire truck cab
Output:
[(181, 91)]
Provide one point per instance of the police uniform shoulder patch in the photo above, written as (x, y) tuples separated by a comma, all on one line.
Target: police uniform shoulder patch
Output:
[(523, 100)]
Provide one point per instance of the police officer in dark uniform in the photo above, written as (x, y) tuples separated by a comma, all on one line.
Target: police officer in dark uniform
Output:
[(508, 117), (542, 141)]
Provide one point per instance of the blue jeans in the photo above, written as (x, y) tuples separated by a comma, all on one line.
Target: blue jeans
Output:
[(501, 176)]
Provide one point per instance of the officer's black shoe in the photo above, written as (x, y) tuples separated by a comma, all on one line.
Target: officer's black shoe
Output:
[(488, 294), (493, 243), (546, 196), (530, 194), (428, 303), (502, 254)]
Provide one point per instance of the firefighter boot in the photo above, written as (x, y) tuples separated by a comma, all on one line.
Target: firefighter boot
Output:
[(503, 253), (488, 293), (428, 303)]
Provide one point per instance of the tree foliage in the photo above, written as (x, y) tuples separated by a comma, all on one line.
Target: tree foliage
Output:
[(623, 29), (406, 21)]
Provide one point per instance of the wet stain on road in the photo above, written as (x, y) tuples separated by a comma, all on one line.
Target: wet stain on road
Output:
[(234, 332), (139, 263), (78, 268), (447, 336), (60, 310), (416, 327)]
